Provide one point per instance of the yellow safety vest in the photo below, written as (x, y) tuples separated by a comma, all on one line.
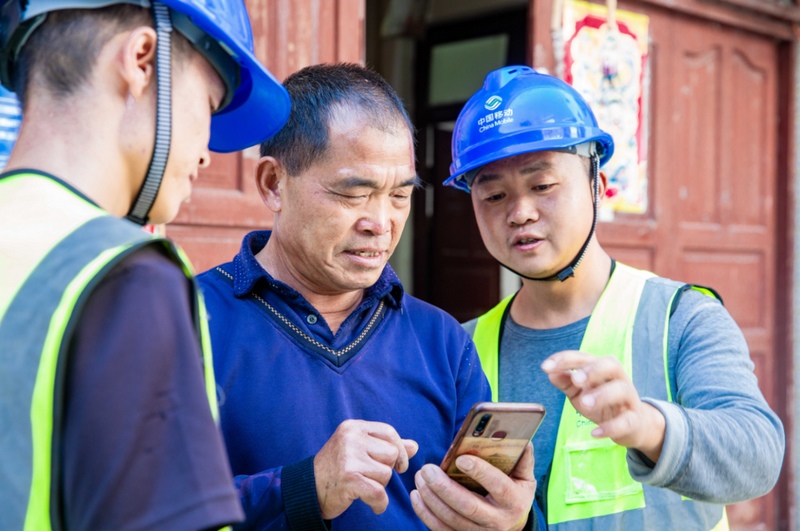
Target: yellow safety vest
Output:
[(589, 484), (55, 246)]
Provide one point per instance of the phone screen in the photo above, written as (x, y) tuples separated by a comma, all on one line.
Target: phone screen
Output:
[(496, 432)]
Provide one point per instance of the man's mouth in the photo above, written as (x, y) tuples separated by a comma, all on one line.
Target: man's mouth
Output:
[(367, 254)]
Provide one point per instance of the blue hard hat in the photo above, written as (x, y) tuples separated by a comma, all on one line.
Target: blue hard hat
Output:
[(10, 119), (256, 104), (521, 111)]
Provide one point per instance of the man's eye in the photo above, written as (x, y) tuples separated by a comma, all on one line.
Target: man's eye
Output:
[(495, 197), (351, 196), (542, 187)]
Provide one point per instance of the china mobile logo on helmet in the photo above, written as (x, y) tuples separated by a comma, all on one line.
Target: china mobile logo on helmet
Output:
[(493, 102)]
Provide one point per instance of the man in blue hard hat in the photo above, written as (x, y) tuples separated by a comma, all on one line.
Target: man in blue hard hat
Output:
[(107, 393), (655, 419), (338, 386)]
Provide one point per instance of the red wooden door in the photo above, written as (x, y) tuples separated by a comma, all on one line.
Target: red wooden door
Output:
[(288, 36), (720, 187), (713, 179)]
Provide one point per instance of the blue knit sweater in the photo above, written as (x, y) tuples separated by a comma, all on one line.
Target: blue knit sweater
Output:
[(282, 397)]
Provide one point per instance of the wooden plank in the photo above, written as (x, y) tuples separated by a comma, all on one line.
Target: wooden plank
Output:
[(350, 22), (540, 39), (327, 35), (755, 22), (785, 257), (292, 34), (753, 15), (766, 7)]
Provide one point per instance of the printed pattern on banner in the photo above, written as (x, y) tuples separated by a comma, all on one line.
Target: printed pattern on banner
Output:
[(610, 68)]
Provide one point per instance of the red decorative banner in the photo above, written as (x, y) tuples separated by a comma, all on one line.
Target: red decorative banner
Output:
[(609, 66)]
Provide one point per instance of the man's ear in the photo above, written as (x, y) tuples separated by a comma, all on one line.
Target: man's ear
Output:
[(136, 60), (270, 175), (602, 184)]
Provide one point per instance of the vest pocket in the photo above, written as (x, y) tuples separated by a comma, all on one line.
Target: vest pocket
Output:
[(597, 470)]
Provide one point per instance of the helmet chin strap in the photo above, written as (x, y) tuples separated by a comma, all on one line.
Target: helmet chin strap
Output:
[(569, 270), (140, 209)]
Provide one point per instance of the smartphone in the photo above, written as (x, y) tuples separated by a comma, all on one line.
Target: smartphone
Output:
[(496, 432)]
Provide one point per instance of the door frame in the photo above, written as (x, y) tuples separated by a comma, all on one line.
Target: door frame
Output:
[(513, 22)]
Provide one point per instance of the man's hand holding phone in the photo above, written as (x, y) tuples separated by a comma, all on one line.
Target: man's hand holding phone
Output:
[(442, 504), (486, 479)]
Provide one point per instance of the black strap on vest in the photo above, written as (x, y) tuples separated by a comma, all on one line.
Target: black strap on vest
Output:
[(683, 289)]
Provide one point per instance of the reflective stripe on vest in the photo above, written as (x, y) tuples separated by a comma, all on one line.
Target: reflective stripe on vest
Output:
[(55, 247), (487, 342), (589, 484)]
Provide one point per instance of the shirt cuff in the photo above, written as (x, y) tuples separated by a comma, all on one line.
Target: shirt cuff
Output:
[(299, 491), (536, 520), (675, 451)]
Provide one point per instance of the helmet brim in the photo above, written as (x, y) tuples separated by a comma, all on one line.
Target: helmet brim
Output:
[(503, 150), (259, 109), (260, 105)]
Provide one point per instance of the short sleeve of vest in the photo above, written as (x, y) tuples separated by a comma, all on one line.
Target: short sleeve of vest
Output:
[(140, 448)]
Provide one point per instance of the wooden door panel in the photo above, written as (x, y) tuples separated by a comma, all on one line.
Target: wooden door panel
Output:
[(638, 257), (211, 246), (735, 254), (696, 126), (224, 172), (749, 146), (713, 178), (745, 297), (224, 206), (723, 129)]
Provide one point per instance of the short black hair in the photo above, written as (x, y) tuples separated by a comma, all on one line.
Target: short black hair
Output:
[(316, 92), (61, 53)]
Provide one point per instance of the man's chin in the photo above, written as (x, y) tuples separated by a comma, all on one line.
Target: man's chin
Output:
[(361, 280), (531, 270)]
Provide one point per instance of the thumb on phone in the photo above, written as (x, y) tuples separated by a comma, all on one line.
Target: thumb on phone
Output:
[(497, 483)]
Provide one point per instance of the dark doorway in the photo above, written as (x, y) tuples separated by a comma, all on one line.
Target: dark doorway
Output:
[(452, 269)]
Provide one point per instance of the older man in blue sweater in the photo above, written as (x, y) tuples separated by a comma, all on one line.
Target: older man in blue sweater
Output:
[(336, 386)]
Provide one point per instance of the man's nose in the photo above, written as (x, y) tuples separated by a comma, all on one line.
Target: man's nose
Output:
[(523, 210), (377, 220)]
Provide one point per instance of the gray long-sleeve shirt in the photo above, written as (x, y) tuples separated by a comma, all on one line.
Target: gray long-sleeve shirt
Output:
[(723, 443)]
